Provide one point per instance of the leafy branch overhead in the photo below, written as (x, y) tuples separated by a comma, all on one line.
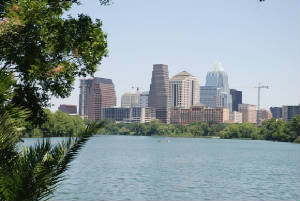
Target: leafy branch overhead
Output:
[(46, 51)]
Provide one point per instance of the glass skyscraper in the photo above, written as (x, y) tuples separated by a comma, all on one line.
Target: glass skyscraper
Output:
[(237, 98), (218, 78), (210, 96)]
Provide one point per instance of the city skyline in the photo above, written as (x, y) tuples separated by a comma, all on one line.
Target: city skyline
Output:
[(137, 89), (254, 43)]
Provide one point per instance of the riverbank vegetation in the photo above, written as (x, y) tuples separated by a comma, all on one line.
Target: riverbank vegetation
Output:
[(272, 129), (60, 124)]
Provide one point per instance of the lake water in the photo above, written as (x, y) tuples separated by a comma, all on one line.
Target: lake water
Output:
[(163, 168)]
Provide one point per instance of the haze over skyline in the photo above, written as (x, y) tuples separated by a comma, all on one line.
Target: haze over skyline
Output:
[(255, 42)]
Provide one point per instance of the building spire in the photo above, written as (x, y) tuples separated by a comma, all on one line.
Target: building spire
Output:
[(217, 66)]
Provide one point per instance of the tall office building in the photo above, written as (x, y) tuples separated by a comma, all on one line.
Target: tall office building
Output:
[(249, 113), (237, 98), (159, 92), (130, 100), (289, 111), (276, 112), (184, 90), (144, 96), (84, 96), (210, 96), (95, 94), (218, 78)]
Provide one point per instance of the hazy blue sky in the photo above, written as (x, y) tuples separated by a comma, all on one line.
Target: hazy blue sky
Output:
[(256, 42)]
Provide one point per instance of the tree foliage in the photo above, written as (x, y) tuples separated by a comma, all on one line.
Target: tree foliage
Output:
[(156, 128), (58, 124), (41, 53), (272, 129), (46, 51)]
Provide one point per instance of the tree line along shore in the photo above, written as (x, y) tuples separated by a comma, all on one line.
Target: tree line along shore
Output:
[(60, 124)]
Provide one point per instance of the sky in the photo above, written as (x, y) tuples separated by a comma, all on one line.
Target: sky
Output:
[(255, 42)]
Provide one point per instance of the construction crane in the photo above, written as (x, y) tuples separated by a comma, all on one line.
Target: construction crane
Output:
[(258, 118)]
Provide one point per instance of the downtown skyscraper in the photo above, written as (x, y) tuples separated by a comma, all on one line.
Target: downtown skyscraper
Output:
[(237, 98), (95, 94), (159, 92), (218, 78), (184, 90)]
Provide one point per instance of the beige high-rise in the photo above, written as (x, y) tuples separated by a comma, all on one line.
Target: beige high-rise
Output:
[(249, 112), (184, 90)]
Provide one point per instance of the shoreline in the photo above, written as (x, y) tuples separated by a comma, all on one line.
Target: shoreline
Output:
[(182, 136)]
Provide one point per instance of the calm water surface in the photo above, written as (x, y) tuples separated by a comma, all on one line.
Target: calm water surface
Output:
[(158, 168)]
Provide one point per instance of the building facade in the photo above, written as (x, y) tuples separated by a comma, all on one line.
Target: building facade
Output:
[(69, 109), (236, 117), (184, 90), (84, 96), (237, 98), (289, 111), (218, 78), (130, 100), (129, 114), (210, 96), (117, 114), (276, 112), (95, 94), (180, 116), (249, 113), (199, 113), (159, 92), (144, 96)]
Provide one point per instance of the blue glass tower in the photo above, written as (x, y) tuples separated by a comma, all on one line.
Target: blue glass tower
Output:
[(218, 78)]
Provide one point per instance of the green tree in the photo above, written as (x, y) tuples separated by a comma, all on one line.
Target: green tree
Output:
[(199, 128), (242, 130), (293, 129), (41, 53), (46, 51), (58, 124), (273, 129)]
